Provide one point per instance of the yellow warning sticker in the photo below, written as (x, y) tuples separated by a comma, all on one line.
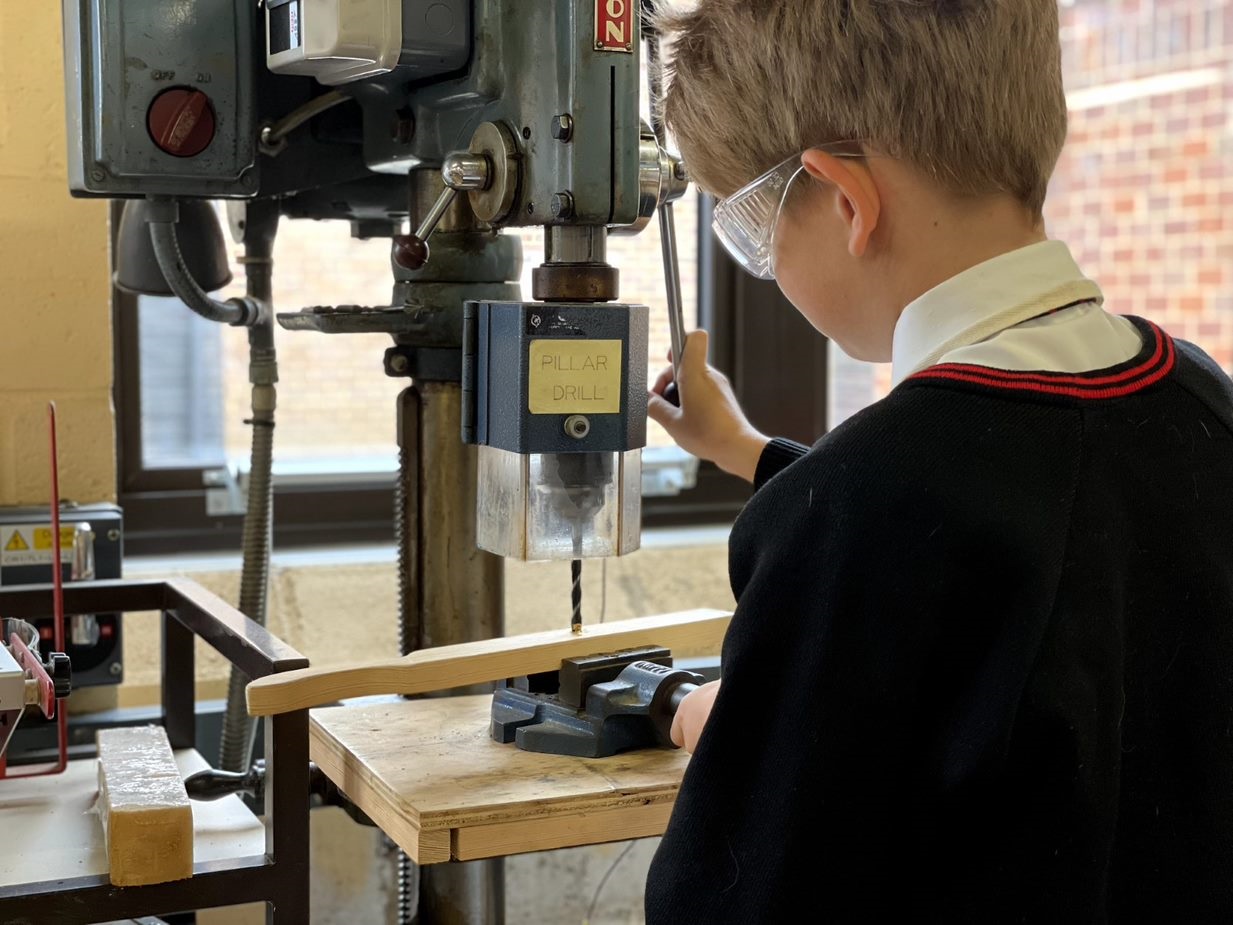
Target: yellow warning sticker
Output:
[(30, 544), (42, 537), (574, 377)]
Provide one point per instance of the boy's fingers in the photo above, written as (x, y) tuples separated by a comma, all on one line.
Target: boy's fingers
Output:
[(696, 347), (660, 411), (665, 379), (677, 734)]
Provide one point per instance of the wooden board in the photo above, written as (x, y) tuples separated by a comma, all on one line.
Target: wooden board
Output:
[(428, 774), (505, 838), (51, 832), (481, 662), (143, 807)]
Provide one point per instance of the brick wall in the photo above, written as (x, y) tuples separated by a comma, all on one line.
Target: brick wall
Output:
[(1144, 191)]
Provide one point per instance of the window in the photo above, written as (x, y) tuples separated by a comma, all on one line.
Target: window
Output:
[(184, 392), (1144, 191)]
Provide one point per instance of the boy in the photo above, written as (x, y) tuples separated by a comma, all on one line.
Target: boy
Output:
[(981, 668)]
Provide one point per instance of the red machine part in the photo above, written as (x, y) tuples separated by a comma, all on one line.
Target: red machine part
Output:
[(24, 657), (181, 121), (57, 579), (31, 664)]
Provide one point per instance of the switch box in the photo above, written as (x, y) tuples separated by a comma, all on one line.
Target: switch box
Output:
[(161, 97)]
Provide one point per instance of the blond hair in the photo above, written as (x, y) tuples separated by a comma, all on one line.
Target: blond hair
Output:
[(969, 91)]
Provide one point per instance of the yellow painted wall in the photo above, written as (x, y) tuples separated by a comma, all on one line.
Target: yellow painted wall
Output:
[(55, 323)]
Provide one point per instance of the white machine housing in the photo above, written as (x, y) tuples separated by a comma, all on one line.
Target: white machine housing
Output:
[(344, 41), (335, 41), (12, 682)]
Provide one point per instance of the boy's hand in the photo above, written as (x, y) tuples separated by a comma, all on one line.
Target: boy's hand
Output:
[(691, 716), (709, 423)]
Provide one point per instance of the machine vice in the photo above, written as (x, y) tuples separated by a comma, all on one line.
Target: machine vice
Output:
[(595, 706)]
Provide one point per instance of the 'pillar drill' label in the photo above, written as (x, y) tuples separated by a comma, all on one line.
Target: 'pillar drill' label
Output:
[(574, 377)]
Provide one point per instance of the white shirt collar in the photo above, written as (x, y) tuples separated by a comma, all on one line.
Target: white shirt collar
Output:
[(986, 299)]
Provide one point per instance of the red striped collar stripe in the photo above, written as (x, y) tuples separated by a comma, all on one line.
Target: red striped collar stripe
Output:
[(1155, 367)]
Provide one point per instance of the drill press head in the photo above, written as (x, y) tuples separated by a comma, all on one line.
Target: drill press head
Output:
[(555, 396), (226, 100)]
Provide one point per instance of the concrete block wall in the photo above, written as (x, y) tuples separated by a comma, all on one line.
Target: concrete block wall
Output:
[(55, 321)]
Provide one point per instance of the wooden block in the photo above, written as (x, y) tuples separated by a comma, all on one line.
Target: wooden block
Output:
[(505, 838), (146, 816), (481, 662)]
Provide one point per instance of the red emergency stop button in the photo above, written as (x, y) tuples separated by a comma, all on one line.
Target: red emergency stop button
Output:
[(181, 121)]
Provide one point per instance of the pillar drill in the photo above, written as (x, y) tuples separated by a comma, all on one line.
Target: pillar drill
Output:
[(438, 124)]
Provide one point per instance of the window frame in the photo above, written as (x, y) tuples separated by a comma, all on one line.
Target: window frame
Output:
[(763, 344), (165, 508)]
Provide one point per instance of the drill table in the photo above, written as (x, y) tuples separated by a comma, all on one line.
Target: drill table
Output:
[(427, 773)]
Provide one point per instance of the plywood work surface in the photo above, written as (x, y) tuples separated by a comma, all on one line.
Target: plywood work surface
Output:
[(427, 772), (51, 832)]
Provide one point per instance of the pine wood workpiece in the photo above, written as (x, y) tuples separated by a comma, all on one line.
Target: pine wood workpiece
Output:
[(428, 774), (446, 667), (143, 807)]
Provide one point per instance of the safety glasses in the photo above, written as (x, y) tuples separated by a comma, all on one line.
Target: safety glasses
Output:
[(746, 221)]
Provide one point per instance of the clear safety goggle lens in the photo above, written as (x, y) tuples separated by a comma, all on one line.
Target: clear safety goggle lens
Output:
[(745, 221)]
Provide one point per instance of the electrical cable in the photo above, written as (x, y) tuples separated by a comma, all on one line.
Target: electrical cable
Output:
[(171, 262), (238, 739), (604, 882), (274, 136)]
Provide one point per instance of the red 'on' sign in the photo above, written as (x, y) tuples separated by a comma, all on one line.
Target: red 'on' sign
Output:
[(614, 25)]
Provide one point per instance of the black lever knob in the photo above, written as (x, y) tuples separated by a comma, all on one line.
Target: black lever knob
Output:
[(410, 251), (60, 668)]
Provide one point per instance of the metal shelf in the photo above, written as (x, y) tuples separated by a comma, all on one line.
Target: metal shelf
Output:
[(278, 876)]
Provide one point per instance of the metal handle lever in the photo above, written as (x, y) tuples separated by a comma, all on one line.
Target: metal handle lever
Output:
[(461, 171), (674, 183), (676, 311), (210, 784)]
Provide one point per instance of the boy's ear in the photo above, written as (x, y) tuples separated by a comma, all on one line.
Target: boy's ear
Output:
[(857, 197)]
